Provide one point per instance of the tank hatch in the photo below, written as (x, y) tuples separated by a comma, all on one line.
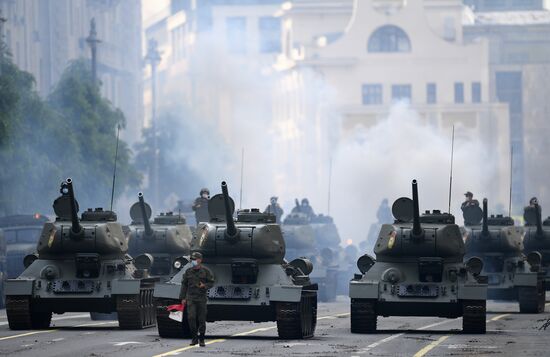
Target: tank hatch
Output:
[(98, 215), (500, 220), (546, 222), (254, 216), (169, 218), (437, 217)]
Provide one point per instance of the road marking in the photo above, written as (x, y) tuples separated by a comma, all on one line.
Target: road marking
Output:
[(26, 334), (58, 339), (127, 343), (245, 333), (498, 317), (431, 346), (96, 324), (58, 318)]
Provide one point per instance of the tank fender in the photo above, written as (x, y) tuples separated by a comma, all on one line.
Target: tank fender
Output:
[(18, 287), (287, 293), (363, 289), (167, 291), (125, 287), (472, 291), (525, 279)]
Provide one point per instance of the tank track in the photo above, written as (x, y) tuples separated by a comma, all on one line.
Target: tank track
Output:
[(297, 320), (363, 316), (21, 316), (474, 316), (532, 299), (136, 311), (168, 327)]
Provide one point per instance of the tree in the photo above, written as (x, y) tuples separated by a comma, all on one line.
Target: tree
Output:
[(73, 134)]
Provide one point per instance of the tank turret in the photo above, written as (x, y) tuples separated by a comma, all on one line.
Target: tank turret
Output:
[(166, 239)]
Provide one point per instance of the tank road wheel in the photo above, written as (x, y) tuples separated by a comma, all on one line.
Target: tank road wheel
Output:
[(531, 298), (474, 316), (297, 320), (168, 327), (136, 311), (21, 316), (363, 316)]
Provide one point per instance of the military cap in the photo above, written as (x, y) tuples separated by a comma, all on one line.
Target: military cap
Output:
[(196, 255)]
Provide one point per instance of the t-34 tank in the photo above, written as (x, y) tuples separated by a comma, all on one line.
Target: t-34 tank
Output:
[(418, 271), (167, 239), (81, 266), (302, 241), (537, 238), (511, 275), (253, 282)]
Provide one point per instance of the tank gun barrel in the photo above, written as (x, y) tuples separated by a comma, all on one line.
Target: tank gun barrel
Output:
[(148, 230), (539, 220), (417, 231), (485, 228), (231, 230), (76, 228)]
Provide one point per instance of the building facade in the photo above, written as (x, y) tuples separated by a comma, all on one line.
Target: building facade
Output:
[(44, 35)]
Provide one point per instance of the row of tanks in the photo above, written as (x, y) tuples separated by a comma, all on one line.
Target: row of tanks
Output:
[(94, 264), (423, 267)]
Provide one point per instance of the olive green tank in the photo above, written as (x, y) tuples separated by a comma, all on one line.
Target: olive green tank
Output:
[(81, 265), (499, 244), (166, 239), (537, 238), (253, 281), (418, 271)]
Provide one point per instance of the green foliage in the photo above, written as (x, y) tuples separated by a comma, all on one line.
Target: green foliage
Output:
[(72, 134)]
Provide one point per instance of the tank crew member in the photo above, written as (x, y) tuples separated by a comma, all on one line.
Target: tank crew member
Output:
[(194, 286), (306, 208), (533, 202), (200, 206), (469, 201), (275, 208)]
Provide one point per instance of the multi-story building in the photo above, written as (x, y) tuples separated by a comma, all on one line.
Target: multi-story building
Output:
[(44, 35), (519, 72)]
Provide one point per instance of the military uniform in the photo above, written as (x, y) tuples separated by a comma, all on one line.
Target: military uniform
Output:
[(276, 210), (196, 297), (200, 206)]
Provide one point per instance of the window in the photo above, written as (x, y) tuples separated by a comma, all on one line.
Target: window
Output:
[(270, 34), (236, 34), (372, 94), (431, 93), (389, 38), (476, 92), (459, 92), (401, 92)]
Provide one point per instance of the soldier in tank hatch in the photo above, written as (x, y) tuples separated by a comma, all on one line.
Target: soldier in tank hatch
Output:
[(304, 207), (194, 286), (200, 206), (275, 208), (470, 201)]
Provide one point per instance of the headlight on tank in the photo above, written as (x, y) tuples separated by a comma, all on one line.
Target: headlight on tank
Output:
[(180, 263), (392, 275)]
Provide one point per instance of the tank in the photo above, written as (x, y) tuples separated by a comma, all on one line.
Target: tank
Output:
[(81, 265), (499, 244), (21, 232), (253, 281), (166, 239), (537, 239), (418, 271), (304, 239)]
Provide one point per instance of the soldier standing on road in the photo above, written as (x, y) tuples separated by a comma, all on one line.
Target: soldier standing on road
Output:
[(201, 206), (194, 285), (275, 208)]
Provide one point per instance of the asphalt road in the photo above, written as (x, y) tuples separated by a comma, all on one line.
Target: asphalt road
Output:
[(508, 334)]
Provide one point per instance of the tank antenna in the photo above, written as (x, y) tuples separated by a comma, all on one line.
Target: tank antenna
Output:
[(329, 185), (242, 174), (511, 177), (114, 169), (451, 175)]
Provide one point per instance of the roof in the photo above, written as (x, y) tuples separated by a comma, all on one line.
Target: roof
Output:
[(508, 18)]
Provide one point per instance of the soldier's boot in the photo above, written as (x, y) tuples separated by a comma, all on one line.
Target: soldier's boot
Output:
[(201, 340), (194, 341)]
